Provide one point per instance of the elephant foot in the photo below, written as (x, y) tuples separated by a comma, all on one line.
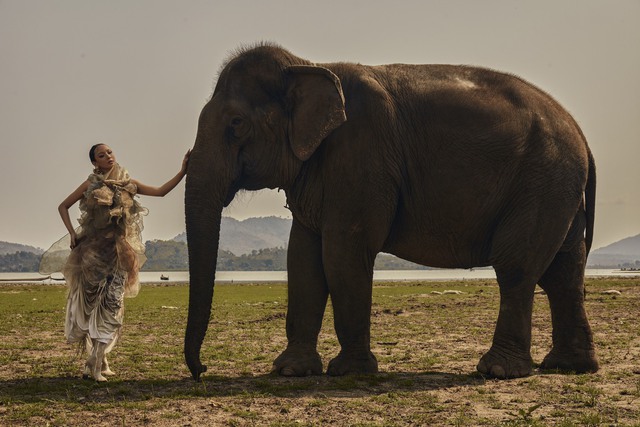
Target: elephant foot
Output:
[(578, 361), (298, 362), (345, 364), (503, 365)]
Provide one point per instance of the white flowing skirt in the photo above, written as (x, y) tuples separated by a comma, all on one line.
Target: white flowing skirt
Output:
[(97, 274)]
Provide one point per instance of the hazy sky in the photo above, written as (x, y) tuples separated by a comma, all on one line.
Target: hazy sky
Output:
[(135, 74)]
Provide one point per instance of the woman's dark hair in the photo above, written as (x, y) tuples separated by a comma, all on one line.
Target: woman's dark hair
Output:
[(92, 152)]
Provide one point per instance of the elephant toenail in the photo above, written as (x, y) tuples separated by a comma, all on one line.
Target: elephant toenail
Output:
[(287, 372), (498, 371)]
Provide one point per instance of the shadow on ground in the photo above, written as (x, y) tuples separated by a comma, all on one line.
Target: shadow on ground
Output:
[(76, 390)]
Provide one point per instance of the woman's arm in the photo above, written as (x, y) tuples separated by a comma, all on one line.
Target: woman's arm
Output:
[(163, 190), (63, 209)]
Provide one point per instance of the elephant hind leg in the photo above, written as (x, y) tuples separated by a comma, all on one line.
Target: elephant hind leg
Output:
[(520, 256), (523, 247), (510, 352), (573, 348)]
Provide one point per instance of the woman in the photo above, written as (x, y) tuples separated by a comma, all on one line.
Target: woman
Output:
[(106, 254)]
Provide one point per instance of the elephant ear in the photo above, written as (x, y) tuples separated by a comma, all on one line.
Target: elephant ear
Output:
[(316, 107)]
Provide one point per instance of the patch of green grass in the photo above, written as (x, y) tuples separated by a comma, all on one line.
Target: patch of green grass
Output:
[(582, 395), (591, 419), (427, 346)]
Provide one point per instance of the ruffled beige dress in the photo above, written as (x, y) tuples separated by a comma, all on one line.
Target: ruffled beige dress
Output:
[(103, 267)]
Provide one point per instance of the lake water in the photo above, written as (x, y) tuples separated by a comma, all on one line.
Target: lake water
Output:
[(281, 276)]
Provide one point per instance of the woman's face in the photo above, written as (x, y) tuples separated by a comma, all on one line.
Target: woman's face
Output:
[(105, 159)]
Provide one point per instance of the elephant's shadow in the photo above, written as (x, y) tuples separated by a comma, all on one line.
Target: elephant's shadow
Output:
[(74, 389)]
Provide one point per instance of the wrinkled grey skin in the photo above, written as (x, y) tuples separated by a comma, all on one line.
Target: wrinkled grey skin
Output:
[(446, 166)]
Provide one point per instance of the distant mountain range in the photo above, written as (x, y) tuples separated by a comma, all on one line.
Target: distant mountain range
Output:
[(625, 247), (11, 248), (625, 253), (252, 234)]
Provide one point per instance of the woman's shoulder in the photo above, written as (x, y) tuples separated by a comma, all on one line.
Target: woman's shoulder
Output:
[(94, 177)]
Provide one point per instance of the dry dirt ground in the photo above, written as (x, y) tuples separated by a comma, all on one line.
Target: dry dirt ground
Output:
[(427, 343)]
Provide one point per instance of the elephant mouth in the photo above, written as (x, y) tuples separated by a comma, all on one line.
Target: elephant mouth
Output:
[(233, 190)]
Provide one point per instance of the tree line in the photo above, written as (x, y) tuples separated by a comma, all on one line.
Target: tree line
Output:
[(168, 255), (19, 262), (172, 255)]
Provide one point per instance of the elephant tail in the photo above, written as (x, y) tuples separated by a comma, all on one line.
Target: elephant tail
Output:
[(590, 201)]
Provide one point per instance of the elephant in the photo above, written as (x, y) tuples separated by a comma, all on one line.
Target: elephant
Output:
[(446, 166)]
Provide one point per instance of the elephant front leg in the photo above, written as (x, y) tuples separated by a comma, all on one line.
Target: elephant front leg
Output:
[(307, 300), (350, 285), (510, 353), (352, 324)]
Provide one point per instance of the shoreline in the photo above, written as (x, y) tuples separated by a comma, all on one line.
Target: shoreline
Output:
[(379, 282)]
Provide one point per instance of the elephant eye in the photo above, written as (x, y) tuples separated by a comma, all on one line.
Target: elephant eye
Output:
[(239, 127)]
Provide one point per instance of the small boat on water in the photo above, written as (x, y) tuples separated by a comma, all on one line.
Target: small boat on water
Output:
[(163, 277)]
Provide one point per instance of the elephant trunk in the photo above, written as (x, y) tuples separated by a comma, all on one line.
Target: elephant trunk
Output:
[(204, 201)]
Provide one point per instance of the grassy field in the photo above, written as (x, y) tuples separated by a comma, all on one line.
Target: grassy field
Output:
[(427, 346)]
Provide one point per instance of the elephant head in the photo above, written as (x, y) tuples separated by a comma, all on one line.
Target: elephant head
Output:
[(268, 114)]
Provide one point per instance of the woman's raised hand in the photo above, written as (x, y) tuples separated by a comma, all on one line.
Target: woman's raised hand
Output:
[(185, 162)]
